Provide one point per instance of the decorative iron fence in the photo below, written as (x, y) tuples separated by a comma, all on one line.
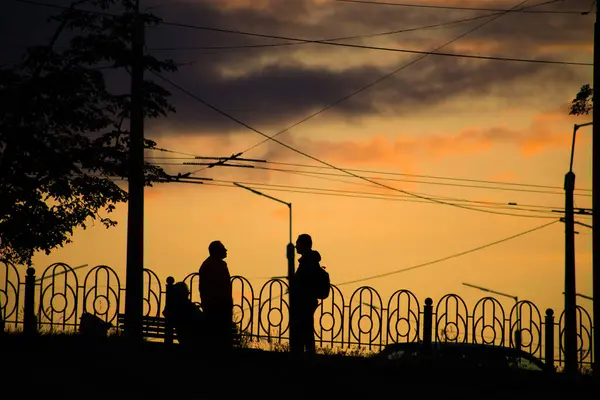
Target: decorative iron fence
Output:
[(56, 300)]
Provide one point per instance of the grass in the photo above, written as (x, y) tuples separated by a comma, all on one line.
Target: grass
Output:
[(65, 358), (246, 341)]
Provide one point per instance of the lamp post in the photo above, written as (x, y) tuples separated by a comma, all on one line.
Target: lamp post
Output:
[(570, 335), (290, 252), (515, 298)]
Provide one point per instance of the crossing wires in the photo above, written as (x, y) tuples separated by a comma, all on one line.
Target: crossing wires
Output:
[(458, 8), (273, 138), (356, 92)]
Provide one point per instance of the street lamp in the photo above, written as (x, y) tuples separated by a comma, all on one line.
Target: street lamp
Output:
[(272, 198), (515, 298), (290, 251), (570, 338)]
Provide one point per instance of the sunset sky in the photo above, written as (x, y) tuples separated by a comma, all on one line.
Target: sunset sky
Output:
[(442, 117)]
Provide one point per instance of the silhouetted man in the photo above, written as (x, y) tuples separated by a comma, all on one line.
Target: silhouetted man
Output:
[(216, 296), (304, 301)]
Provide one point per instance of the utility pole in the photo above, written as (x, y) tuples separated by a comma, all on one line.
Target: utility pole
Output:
[(134, 301), (570, 332), (595, 200), (570, 293)]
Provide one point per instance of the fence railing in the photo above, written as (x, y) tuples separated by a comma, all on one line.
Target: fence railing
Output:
[(57, 298)]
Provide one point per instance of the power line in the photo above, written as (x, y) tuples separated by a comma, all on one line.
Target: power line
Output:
[(301, 41), (360, 90), (377, 196), (353, 194), (383, 196), (579, 223), (459, 8), (311, 173), (172, 151), (448, 257), (323, 162), (424, 53), (336, 39), (197, 98), (438, 260), (196, 157), (380, 48)]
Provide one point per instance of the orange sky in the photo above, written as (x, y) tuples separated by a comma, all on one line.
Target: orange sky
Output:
[(514, 132)]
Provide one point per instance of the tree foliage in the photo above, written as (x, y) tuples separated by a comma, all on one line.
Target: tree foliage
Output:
[(62, 141), (583, 102)]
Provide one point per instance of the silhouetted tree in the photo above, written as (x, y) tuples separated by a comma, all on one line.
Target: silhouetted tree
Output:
[(61, 130), (583, 103)]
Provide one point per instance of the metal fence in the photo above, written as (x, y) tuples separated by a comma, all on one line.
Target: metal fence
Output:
[(56, 299)]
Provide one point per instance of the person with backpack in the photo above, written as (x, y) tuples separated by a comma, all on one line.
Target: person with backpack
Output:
[(309, 284)]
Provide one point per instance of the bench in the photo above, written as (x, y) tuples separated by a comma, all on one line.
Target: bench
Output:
[(156, 328), (152, 327)]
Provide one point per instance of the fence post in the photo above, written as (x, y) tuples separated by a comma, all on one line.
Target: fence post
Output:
[(427, 321), (549, 339), (29, 319), (168, 325), (517, 339)]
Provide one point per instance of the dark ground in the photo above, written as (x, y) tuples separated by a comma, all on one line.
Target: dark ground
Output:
[(68, 367)]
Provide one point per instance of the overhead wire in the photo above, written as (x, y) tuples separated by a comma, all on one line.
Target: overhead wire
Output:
[(367, 195), (357, 194), (384, 196), (435, 52), (227, 115), (360, 90), (337, 39), (316, 174), (439, 260), (362, 195), (458, 8), (196, 157), (513, 205), (314, 158), (424, 53)]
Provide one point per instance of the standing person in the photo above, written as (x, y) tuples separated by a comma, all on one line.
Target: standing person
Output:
[(304, 299), (216, 296)]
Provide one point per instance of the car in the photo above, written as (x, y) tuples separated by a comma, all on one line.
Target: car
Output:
[(456, 355)]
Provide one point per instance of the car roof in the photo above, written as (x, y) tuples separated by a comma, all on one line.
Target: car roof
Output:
[(470, 346)]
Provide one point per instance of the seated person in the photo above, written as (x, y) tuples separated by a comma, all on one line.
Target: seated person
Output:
[(186, 317)]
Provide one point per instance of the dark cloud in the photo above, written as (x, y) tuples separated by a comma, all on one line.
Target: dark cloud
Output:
[(272, 87), (275, 87)]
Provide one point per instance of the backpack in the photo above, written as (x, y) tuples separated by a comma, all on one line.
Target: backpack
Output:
[(322, 285)]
